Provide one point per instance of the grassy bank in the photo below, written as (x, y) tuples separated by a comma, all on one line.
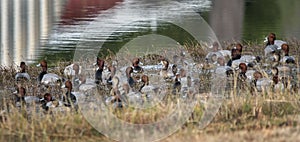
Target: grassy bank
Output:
[(268, 116)]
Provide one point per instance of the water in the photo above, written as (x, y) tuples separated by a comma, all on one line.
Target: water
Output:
[(52, 29)]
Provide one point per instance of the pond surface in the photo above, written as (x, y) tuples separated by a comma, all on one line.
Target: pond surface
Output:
[(52, 29)]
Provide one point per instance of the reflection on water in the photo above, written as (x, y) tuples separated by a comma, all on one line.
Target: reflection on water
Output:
[(25, 25), (52, 29)]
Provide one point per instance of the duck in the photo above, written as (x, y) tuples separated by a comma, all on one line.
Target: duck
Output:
[(21, 99), (249, 60), (86, 84), (217, 52), (287, 77), (98, 73), (136, 65), (286, 59), (130, 80), (273, 49), (72, 70), (147, 89), (19, 96), (22, 73), (211, 57), (48, 102), (273, 83), (108, 73), (165, 72), (271, 40), (242, 77), (47, 78), (278, 86), (235, 54), (183, 83), (116, 98), (44, 66), (238, 58), (177, 85), (278, 82), (262, 83), (134, 73), (69, 99)]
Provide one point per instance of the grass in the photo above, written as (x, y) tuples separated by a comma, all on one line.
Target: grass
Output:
[(267, 116)]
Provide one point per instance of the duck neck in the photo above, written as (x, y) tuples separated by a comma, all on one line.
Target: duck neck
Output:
[(23, 70), (144, 84)]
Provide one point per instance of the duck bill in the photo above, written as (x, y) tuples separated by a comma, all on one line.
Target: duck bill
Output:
[(140, 63)]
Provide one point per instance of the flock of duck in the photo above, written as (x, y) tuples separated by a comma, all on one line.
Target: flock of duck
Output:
[(137, 84), (275, 71)]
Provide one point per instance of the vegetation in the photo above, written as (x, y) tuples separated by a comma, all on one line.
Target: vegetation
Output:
[(245, 117)]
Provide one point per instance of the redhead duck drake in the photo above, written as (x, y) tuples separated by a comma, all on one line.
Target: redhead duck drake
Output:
[(263, 84), (73, 71), (44, 66), (235, 54), (69, 99), (20, 96), (242, 77), (136, 65), (22, 73), (47, 78), (48, 101), (271, 40), (98, 74), (134, 73), (286, 58), (272, 49)]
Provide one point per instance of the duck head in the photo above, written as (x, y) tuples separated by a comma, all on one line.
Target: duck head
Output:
[(243, 68), (285, 48), (165, 64), (257, 75), (23, 67), (271, 39), (239, 48), (76, 68), (215, 46), (145, 79), (128, 71), (47, 97), (274, 71), (21, 91), (44, 65), (136, 65), (68, 85), (100, 63)]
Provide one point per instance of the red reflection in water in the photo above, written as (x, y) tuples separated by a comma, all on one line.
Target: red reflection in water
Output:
[(84, 10)]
